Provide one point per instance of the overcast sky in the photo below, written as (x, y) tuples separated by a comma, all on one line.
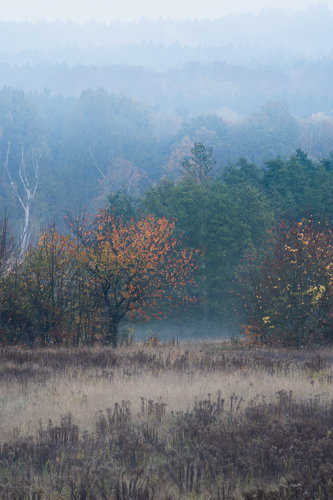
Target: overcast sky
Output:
[(109, 10)]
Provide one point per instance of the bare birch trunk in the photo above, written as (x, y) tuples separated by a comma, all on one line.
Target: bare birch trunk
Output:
[(29, 187)]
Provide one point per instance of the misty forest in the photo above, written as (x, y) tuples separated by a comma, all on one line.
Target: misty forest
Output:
[(166, 258)]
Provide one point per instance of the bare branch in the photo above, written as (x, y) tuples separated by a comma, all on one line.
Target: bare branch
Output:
[(22, 173), (10, 177), (100, 171)]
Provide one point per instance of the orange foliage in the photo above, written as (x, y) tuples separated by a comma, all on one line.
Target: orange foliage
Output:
[(136, 267)]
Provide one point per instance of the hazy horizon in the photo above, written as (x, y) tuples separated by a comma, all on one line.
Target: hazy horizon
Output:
[(84, 11)]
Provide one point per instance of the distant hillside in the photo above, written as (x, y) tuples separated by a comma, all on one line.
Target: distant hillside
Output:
[(307, 31)]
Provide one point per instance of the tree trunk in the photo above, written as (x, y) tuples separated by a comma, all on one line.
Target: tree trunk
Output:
[(29, 188), (113, 333), (111, 329), (111, 322)]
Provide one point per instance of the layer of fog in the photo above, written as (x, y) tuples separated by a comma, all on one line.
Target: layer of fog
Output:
[(306, 31)]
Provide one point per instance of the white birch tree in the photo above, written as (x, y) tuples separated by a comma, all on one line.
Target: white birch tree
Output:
[(26, 193)]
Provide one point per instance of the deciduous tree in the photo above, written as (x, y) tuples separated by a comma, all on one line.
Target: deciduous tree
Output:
[(287, 291), (134, 268)]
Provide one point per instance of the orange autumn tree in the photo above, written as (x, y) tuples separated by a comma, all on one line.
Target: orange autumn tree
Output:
[(133, 268)]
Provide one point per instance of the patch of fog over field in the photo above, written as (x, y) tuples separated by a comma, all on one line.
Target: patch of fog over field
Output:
[(183, 331)]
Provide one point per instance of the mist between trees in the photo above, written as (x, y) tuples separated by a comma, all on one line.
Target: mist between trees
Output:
[(104, 150), (194, 247), (78, 150)]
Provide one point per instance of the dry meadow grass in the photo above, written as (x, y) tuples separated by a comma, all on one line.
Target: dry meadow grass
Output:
[(31, 386), (186, 407)]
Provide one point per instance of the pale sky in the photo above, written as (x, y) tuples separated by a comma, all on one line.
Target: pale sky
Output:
[(127, 10)]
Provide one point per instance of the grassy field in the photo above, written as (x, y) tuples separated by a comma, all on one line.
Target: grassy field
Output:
[(201, 421)]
